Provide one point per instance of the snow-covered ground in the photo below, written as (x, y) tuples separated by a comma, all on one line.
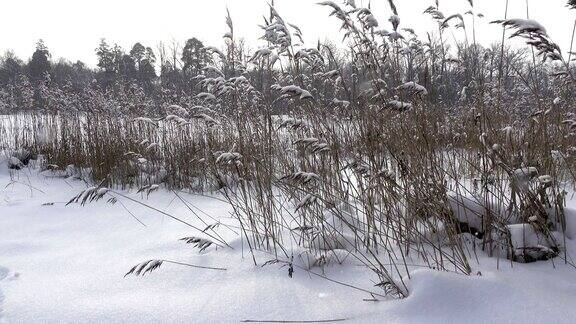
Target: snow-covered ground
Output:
[(66, 264)]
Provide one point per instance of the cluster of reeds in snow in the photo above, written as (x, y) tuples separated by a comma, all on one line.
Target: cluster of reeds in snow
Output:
[(360, 164)]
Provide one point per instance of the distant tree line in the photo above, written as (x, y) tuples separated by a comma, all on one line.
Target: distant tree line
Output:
[(48, 85), (144, 80)]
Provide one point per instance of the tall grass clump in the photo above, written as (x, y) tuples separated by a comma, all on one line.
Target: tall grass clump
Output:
[(394, 151)]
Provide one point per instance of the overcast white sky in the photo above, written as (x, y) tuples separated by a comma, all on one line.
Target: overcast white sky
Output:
[(73, 28)]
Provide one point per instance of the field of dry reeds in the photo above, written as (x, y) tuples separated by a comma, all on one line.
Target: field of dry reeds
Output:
[(393, 151)]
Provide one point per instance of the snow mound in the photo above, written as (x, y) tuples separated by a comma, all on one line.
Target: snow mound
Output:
[(514, 296)]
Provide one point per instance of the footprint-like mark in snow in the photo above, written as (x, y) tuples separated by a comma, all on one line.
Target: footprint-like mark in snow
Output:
[(3, 274)]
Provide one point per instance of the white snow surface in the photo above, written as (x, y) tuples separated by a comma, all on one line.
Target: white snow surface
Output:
[(66, 264)]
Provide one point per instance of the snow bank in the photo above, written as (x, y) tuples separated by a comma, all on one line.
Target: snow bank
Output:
[(67, 264), (524, 294)]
